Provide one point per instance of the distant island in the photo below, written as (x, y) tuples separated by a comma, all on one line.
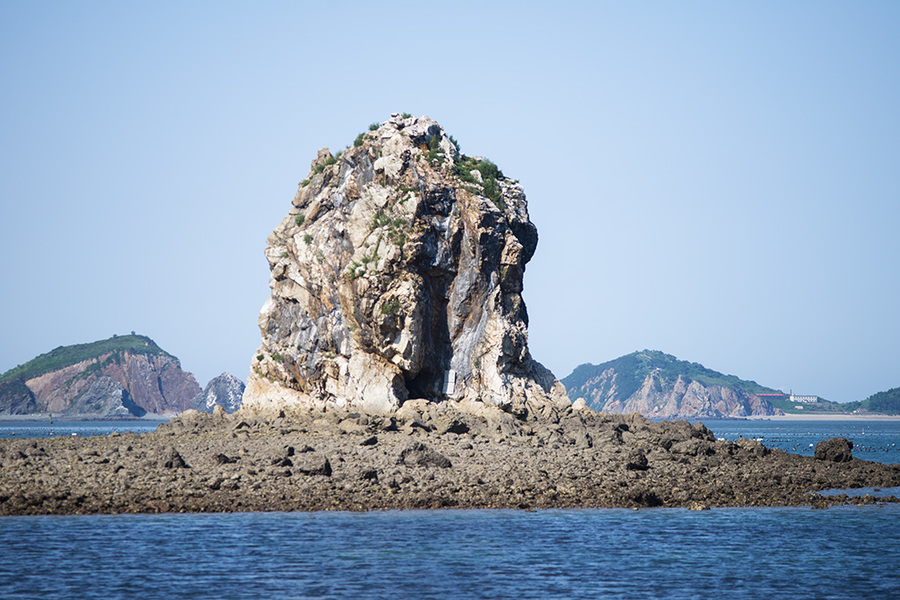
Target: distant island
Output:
[(658, 385), (124, 376)]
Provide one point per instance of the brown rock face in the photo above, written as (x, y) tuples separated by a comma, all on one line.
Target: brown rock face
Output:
[(396, 275), (116, 384)]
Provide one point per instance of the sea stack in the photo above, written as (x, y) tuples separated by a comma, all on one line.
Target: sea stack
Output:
[(397, 276)]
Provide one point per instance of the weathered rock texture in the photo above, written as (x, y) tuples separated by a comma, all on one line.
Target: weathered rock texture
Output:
[(835, 450), (428, 455), (16, 398), (660, 398), (657, 385), (226, 391), (396, 275), (144, 383)]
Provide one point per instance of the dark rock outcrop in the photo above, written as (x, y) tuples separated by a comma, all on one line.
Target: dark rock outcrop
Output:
[(835, 450), (418, 454), (16, 398), (106, 397)]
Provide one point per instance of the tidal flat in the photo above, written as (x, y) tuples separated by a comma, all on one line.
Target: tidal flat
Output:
[(432, 458)]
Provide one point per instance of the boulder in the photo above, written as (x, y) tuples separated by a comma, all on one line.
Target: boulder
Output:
[(420, 455), (312, 463), (171, 459), (636, 460), (834, 450)]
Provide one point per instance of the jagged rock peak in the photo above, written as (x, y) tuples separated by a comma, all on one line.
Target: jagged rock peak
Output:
[(226, 391), (397, 275)]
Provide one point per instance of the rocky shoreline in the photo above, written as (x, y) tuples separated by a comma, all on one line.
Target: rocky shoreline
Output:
[(427, 455)]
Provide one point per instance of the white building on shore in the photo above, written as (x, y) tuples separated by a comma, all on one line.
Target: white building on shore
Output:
[(804, 399)]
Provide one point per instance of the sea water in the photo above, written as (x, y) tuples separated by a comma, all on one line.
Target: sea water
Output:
[(878, 441), (843, 552)]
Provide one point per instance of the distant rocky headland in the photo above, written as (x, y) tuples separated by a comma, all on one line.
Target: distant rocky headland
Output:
[(121, 377), (394, 372), (658, 385)]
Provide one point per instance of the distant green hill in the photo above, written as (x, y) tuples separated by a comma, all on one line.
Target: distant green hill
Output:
[(633, 369), (65, 356), (658, 385), (886, 403)]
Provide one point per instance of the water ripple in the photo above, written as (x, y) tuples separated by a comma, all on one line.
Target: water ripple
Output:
[(741, 553)]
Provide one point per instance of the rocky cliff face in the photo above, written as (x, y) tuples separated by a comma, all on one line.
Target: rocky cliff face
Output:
[(226, 391), (660, 398), (115, 384), (16, 398), (397, 274)]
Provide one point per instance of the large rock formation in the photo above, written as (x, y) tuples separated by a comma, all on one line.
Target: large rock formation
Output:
[(123, 376), (658, 385), (397, 275)]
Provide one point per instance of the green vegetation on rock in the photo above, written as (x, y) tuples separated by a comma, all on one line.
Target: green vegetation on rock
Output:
[(489, 176), (435, 154), (65, 356), (391, 307)]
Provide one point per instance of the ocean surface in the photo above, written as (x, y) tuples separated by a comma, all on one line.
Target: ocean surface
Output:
[(844, 552), (45, 428), (878, 441)]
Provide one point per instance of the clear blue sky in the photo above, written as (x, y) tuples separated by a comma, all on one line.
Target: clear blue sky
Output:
[(716, 180)]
